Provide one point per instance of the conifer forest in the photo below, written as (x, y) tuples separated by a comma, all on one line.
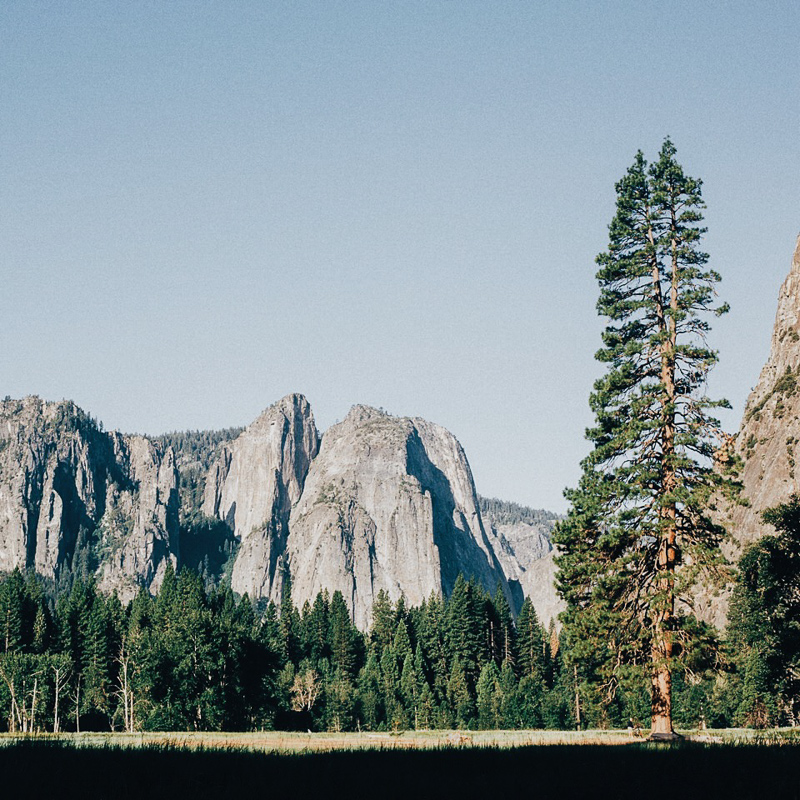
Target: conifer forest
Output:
[(197, 659)]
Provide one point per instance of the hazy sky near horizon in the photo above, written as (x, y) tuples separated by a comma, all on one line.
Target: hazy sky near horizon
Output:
[(207, 205)]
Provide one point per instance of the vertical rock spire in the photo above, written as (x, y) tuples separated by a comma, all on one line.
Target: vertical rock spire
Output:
[(769, 437)]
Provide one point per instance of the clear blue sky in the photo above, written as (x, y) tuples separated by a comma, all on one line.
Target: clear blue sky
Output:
[(206, 205)]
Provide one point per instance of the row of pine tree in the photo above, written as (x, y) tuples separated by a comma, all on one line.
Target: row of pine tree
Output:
[(197, 659), (192, 659)]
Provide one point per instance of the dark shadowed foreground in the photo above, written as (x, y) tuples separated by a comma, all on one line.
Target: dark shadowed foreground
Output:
[(54, 769)]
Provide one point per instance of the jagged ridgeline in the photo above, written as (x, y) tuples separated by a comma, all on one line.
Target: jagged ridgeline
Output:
[(377, 503), (75, 499)]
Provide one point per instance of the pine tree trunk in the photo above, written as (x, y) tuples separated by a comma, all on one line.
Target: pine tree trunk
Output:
[(661, 691), (661, 722)]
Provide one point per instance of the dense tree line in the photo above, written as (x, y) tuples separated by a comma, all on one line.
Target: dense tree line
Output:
[(764, 624), (199, 658), (193, 659), (503, 512)]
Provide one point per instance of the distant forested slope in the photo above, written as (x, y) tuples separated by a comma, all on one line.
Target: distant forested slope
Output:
[(503, 512)]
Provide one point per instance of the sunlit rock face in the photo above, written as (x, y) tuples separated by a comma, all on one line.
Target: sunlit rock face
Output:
[(389, 503), (70, 491), (527, 557), (379, 503), (768, 443), (253, 485), (769, 437)]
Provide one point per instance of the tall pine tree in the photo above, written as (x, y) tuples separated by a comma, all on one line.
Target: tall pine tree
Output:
[(638, 532)]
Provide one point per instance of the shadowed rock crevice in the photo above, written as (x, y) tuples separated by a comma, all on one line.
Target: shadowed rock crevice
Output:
[(459, 551)]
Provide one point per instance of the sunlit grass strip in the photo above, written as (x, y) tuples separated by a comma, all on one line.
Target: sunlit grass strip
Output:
[(284, 742)]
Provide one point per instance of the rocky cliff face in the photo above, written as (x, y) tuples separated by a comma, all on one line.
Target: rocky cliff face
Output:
[(253, 485), (389, 503), (520, 538), (137, 535), (67, 489), (384, 503), (768, 443), (526, 556), (769, 438)]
